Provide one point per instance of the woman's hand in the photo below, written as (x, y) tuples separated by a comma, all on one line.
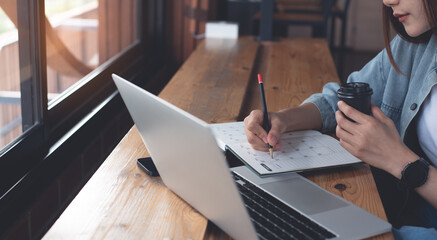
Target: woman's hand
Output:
[(374, 140), (257, 136), (306, 116)]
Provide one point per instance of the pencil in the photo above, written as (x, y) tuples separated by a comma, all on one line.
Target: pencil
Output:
[(265, 113)]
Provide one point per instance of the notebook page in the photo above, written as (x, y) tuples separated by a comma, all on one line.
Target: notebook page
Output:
[(300, 150)]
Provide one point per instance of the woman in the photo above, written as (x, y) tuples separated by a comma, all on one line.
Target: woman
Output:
[(403, 128)]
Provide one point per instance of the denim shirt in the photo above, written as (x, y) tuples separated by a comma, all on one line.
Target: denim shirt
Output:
[(398, 95)]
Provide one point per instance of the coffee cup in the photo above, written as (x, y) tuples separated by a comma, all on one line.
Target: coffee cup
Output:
[(356, 95)]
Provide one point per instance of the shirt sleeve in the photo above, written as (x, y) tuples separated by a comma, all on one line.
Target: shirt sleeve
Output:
[(373, 73)]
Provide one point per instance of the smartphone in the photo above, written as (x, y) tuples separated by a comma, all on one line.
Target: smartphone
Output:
[(148, 166)]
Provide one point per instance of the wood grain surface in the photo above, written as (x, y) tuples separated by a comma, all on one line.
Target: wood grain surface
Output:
[(212, 83), (217, 84)]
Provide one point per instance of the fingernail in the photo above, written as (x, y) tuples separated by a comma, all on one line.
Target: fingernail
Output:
[(265, 140), (274, 140)]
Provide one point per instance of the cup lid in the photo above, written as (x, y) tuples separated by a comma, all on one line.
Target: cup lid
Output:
[(355, 88)]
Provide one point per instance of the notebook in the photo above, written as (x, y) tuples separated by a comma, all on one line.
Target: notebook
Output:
[(237, 200), (301, 150)]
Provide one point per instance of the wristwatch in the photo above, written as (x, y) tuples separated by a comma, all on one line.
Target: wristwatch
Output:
[(415, 174)]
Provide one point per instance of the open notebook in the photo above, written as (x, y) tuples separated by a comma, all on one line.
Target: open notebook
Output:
[(301, 150)]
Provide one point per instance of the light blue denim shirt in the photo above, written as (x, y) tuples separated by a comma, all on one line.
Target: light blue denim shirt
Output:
[(398, 95)]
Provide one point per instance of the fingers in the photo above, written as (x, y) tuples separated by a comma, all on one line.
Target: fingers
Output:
[(344, 123), (346, 145), (257, 136), (274, 135), (277, 146), (352, 113), (343, 135), (256, 142), (253, 124), (255, 133), (377, 112)]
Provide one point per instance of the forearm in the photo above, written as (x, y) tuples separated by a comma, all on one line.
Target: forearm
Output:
[(428, 190), (306, 116)]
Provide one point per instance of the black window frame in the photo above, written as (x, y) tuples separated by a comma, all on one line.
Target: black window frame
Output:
[(44, 126)]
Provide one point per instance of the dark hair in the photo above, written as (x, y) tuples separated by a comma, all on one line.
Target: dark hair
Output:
[(388, 18)]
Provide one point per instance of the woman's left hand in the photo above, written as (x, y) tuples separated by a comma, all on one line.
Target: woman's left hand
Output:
[(374, 140)]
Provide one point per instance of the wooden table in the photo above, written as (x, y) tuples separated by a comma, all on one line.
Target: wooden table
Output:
[(217, 84)]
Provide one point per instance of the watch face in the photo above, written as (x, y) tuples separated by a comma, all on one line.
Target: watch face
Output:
[(415, 174)]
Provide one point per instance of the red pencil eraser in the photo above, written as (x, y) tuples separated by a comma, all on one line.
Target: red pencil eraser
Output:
[(260, 80)]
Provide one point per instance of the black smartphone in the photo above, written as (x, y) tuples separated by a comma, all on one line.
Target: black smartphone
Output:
[(148, 166)]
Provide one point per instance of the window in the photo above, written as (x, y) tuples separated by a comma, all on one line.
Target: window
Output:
[(10, 104), (57, 57), (71, 43), (80, 35)]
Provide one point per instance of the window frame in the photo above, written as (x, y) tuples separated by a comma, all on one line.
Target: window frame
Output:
[(45, 125)]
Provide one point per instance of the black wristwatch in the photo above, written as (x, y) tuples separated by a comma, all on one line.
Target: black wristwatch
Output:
[(415, 174)]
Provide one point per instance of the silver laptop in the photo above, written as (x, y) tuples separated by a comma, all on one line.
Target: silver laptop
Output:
[(192, 165)]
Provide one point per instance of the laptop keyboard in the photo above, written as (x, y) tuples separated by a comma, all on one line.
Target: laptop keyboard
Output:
[(275, 220)]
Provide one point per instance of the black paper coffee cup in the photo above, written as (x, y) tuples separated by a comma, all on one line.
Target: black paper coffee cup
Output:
[(356, 95)]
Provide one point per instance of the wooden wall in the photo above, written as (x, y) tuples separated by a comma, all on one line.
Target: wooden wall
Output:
[(117, 28), (186, 18)]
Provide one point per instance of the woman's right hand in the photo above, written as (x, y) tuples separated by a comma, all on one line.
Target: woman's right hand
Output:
[(257, 136)]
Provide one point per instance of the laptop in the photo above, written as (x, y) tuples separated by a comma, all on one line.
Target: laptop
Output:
[(237, 200)]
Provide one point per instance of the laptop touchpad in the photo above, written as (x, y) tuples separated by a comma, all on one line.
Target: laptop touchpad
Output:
[(303, 196)]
